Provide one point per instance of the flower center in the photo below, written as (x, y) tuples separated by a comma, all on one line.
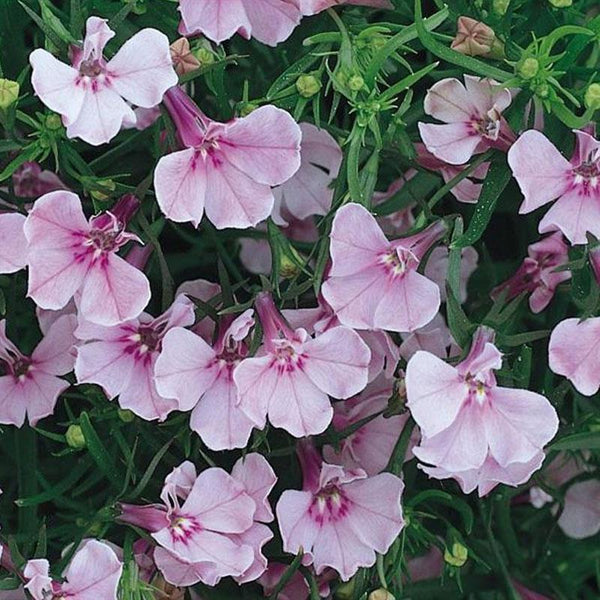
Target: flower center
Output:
[(90, 68), (396, 262), (103, 241), (329, 505), (478, 390), (183, 528), (488, 126), (588, 173)]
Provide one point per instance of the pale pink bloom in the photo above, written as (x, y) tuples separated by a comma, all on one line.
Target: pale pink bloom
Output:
[(473, 38), (199, 377), (373, 282), (537, 274), (472, 429), (580, 517), (572, 353), (341, 517), (121, 358), (472, 116), (436, 269), (370, 447), (268, 21), (93, 94), (402, 220), (309, 192), (295, 589), (227, 168), (312, 7), (544, 174), (31, 385), (468, 189), (435, 338), (427, 566), (13, 249), (143, 118), (293, 374), (206, 291), (94, 572), (67, 253), (30, 181)]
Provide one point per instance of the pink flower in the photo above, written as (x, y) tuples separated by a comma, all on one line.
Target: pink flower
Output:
[(472, 114), (537, 275), (373, 282), (472, 429), (200, 378), (268, 21), (229, 167), (573, 353), (92, 95), (31, 384), (296, 588), (67, 253), (30, 181), (544, 174), (218, 531), (402, 220), (370, 447), (312, 7), (94, 572), (580, 517), (341, 517), (121, 359), (310, 192), (293, 374), (13, 250), (437, 269), (435, 338)]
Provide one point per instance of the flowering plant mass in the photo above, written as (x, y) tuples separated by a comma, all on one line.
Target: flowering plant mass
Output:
[(299, 299)]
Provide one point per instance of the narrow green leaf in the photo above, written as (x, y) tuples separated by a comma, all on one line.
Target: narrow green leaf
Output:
[(578, 441), (287, 575), (147, 476), (98, 451)]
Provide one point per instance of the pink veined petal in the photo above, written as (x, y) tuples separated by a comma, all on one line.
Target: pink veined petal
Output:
[(113, 292), (312, 7), (454, 143), (539, 168), (180, 184), (217, 20), (186, 368), (356, 239), (235, 199), (40, 393), (337, 362), (574, 213), (56, 85), (217, 417), (435, 392), (298, 529), (487, 94), (573, 353), (93, 573), (448, 100), (585, 145), (180, 573), (272, 21), (580, 517), (258, 477), (265, 145), (39, 583), (255, 255), (97, 35), (142, 70), (14, 399), (54, 354), (13, 251), (308, 192), (255, 537)]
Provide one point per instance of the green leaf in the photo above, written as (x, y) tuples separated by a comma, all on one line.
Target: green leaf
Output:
[(446, 499), (589, 440), (407, 82), (52, 36), (287, 575), (141, 486)]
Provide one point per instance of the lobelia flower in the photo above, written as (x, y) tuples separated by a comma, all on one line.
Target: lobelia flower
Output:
[(544, 174), (373, 282), (121, 359), (30, 181), (219, 529), (67, 253), (312, 7), (13, 250), (402, 220), (93, 573), (435, 338), (92, 95), (341, 517), (537, 274), (31, 385), (237, 162), (292, 375), (436, 269), (268, 21), (295, 589), (473, 430), (580, 517), (200, 378), (472, 116)]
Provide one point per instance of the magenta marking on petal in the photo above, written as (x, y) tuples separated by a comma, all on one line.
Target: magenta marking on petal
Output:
[(183, 527), (329, 505)]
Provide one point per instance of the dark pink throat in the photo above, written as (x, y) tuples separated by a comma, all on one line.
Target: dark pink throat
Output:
[(329, 505)]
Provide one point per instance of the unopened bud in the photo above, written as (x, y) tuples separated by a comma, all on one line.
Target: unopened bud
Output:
[(9, 92), (53, 122), (381, 594), (592, 96), (500, 7), (183, 59), (528, 68), (308, 85), (356, 83), (125, 415), (543, 90), (204, 56), (75, 437), (104, 189), (474, 38), (457, 555), (561, 3), (346, 590)]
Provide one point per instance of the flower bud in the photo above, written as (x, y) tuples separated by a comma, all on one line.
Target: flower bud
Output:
[(75, 437), (9, 92), (381, 594), (561, 3), (183, 59), (457, 556), (528, 68), (500, 7), (345, 591), (308, 85), (125, 415), (104, 189), (204, 56), (592, 96), (356, 83), (474, 38), (53, 122), (288, 268)]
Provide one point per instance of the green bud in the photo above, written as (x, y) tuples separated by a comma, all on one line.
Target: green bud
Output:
[(561, 3), (104, 190), (457, 556), (592, 96), (542, 90), (500, 7), (356, 83), (75, 437), (381, 594), (345, 591), (287, 267), (528, 68), (125, 415), (308, 85), (204, 56), (53, 122), (9, 92)]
